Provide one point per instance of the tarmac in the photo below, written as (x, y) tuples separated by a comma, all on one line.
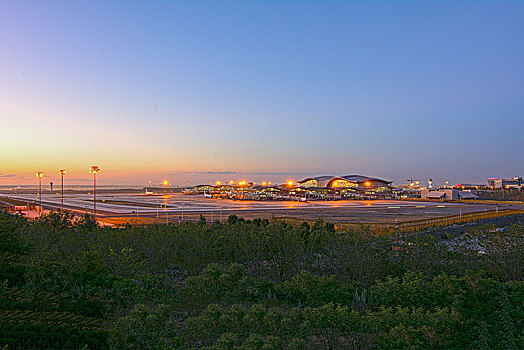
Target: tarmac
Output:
[(189, 207)]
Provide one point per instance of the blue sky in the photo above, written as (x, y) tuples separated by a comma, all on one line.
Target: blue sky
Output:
[(179, 90)]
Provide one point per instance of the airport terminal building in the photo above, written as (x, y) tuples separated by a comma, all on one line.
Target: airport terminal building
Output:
[(313, 188)]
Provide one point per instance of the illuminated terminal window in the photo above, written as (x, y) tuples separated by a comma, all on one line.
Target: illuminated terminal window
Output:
[(382, 189), (310, 183), (348, 190), (344, 183)]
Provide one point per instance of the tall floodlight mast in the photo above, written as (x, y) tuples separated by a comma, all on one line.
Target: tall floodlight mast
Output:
[(39, 175), (94, 170), (62, 172)]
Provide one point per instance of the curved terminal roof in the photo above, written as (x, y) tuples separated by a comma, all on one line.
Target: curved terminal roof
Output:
[(321, 181), (361, 178)]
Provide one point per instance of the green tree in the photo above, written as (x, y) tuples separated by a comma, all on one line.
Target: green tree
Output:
[(145, 327)]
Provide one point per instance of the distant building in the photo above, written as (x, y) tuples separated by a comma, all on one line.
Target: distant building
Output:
[(515, 182), (471, 187)]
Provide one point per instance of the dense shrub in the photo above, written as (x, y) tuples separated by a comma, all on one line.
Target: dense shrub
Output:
[(67, 283)]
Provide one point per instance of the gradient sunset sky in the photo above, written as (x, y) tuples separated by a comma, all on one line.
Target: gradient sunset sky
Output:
[(263, 90)]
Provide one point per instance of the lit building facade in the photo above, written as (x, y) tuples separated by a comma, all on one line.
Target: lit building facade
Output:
[(362, 184), (313, 188)]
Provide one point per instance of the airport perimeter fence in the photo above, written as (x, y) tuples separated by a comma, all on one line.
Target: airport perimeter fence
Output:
[(465, 201), (415, 225), (455, 219)]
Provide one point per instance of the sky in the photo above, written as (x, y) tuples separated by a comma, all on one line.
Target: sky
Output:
[(201, 91)]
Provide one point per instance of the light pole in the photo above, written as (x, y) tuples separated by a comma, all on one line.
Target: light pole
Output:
[(39, 176), (94, 170), (62, 172)]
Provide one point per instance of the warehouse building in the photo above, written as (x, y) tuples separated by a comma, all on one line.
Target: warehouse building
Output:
[(447, 194)]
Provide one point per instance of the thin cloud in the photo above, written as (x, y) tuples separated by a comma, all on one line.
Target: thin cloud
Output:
[(205, 173), (216, 173), (262, 173), (77, 179), (277, 173)]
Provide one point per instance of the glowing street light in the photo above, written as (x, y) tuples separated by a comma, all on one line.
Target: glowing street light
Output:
[(39, 175), (94, 170), (62, 172)]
